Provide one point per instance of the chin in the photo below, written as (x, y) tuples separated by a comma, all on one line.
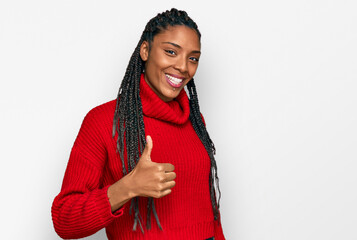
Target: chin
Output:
[(171, 96)]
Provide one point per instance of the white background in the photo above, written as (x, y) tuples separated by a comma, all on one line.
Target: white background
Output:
[(276, 83)]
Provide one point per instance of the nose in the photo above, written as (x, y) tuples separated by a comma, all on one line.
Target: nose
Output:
[(181, 64)]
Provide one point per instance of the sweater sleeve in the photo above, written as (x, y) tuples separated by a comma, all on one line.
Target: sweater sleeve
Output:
[(82, 207), (218, 231)]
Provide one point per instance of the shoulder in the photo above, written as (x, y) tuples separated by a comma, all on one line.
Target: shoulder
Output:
[(103, 111), (203, 119), (99, 118), (95, 133)]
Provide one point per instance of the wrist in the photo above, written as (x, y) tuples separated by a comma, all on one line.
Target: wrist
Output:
[(129, 185), (119, 193)]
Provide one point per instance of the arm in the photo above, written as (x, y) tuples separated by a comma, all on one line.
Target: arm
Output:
[(218, 231), (82, 208)]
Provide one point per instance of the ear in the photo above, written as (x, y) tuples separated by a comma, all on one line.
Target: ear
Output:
[(144, 51)]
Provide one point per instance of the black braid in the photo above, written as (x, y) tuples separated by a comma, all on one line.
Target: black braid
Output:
[(200, 129), (128, 119)]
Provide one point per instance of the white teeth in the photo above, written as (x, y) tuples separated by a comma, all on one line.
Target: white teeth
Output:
[(173, 79)]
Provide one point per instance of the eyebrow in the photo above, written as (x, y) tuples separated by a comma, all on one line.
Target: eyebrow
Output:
[(178, 46)]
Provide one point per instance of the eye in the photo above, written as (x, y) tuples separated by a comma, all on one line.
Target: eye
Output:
[(194, 59), (170, 52)]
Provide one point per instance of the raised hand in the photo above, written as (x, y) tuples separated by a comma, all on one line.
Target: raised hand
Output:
[(151, 179), (147, 179)]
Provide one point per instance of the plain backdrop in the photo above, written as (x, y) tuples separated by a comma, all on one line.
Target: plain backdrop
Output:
[(276, 84)]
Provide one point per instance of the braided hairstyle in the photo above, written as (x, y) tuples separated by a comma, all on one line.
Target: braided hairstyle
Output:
[(128, 119)]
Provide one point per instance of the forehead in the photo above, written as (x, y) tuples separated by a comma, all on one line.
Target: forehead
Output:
[(180, 35)]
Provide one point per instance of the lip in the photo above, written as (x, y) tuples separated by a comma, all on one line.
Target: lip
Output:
[(171, 83), (176, 76)]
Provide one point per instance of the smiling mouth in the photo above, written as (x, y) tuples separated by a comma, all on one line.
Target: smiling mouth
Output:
[(174, 81)]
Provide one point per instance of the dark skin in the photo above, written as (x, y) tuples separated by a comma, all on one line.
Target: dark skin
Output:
[(174, 52)]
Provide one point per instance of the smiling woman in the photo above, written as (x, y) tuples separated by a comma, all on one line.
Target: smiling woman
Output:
[(116, 179), (171, 60)]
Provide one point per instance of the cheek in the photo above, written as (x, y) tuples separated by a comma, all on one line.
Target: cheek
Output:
[(192, 70), (164, 62), (161, 61)]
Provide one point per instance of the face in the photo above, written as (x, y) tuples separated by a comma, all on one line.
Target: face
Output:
[(172, 60)]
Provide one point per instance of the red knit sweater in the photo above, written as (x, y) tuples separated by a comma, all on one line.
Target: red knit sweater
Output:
[(82, 207)]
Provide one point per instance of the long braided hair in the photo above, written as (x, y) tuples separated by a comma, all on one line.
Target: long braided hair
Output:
[(128, 119)]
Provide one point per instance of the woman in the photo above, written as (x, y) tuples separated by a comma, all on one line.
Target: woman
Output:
[(149, 146)]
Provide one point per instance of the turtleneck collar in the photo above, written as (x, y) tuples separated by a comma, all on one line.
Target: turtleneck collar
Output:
[(176, 111)]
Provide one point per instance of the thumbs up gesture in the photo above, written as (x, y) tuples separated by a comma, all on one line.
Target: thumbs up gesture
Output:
[(151, 179), (147, 179)]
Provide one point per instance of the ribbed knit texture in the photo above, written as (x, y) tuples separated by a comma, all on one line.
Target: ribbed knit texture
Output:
[(82, 207)]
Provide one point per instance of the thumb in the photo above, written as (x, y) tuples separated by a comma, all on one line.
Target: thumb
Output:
[(148, 148)]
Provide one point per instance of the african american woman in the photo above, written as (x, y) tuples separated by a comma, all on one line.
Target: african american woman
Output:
[(146, 156)]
